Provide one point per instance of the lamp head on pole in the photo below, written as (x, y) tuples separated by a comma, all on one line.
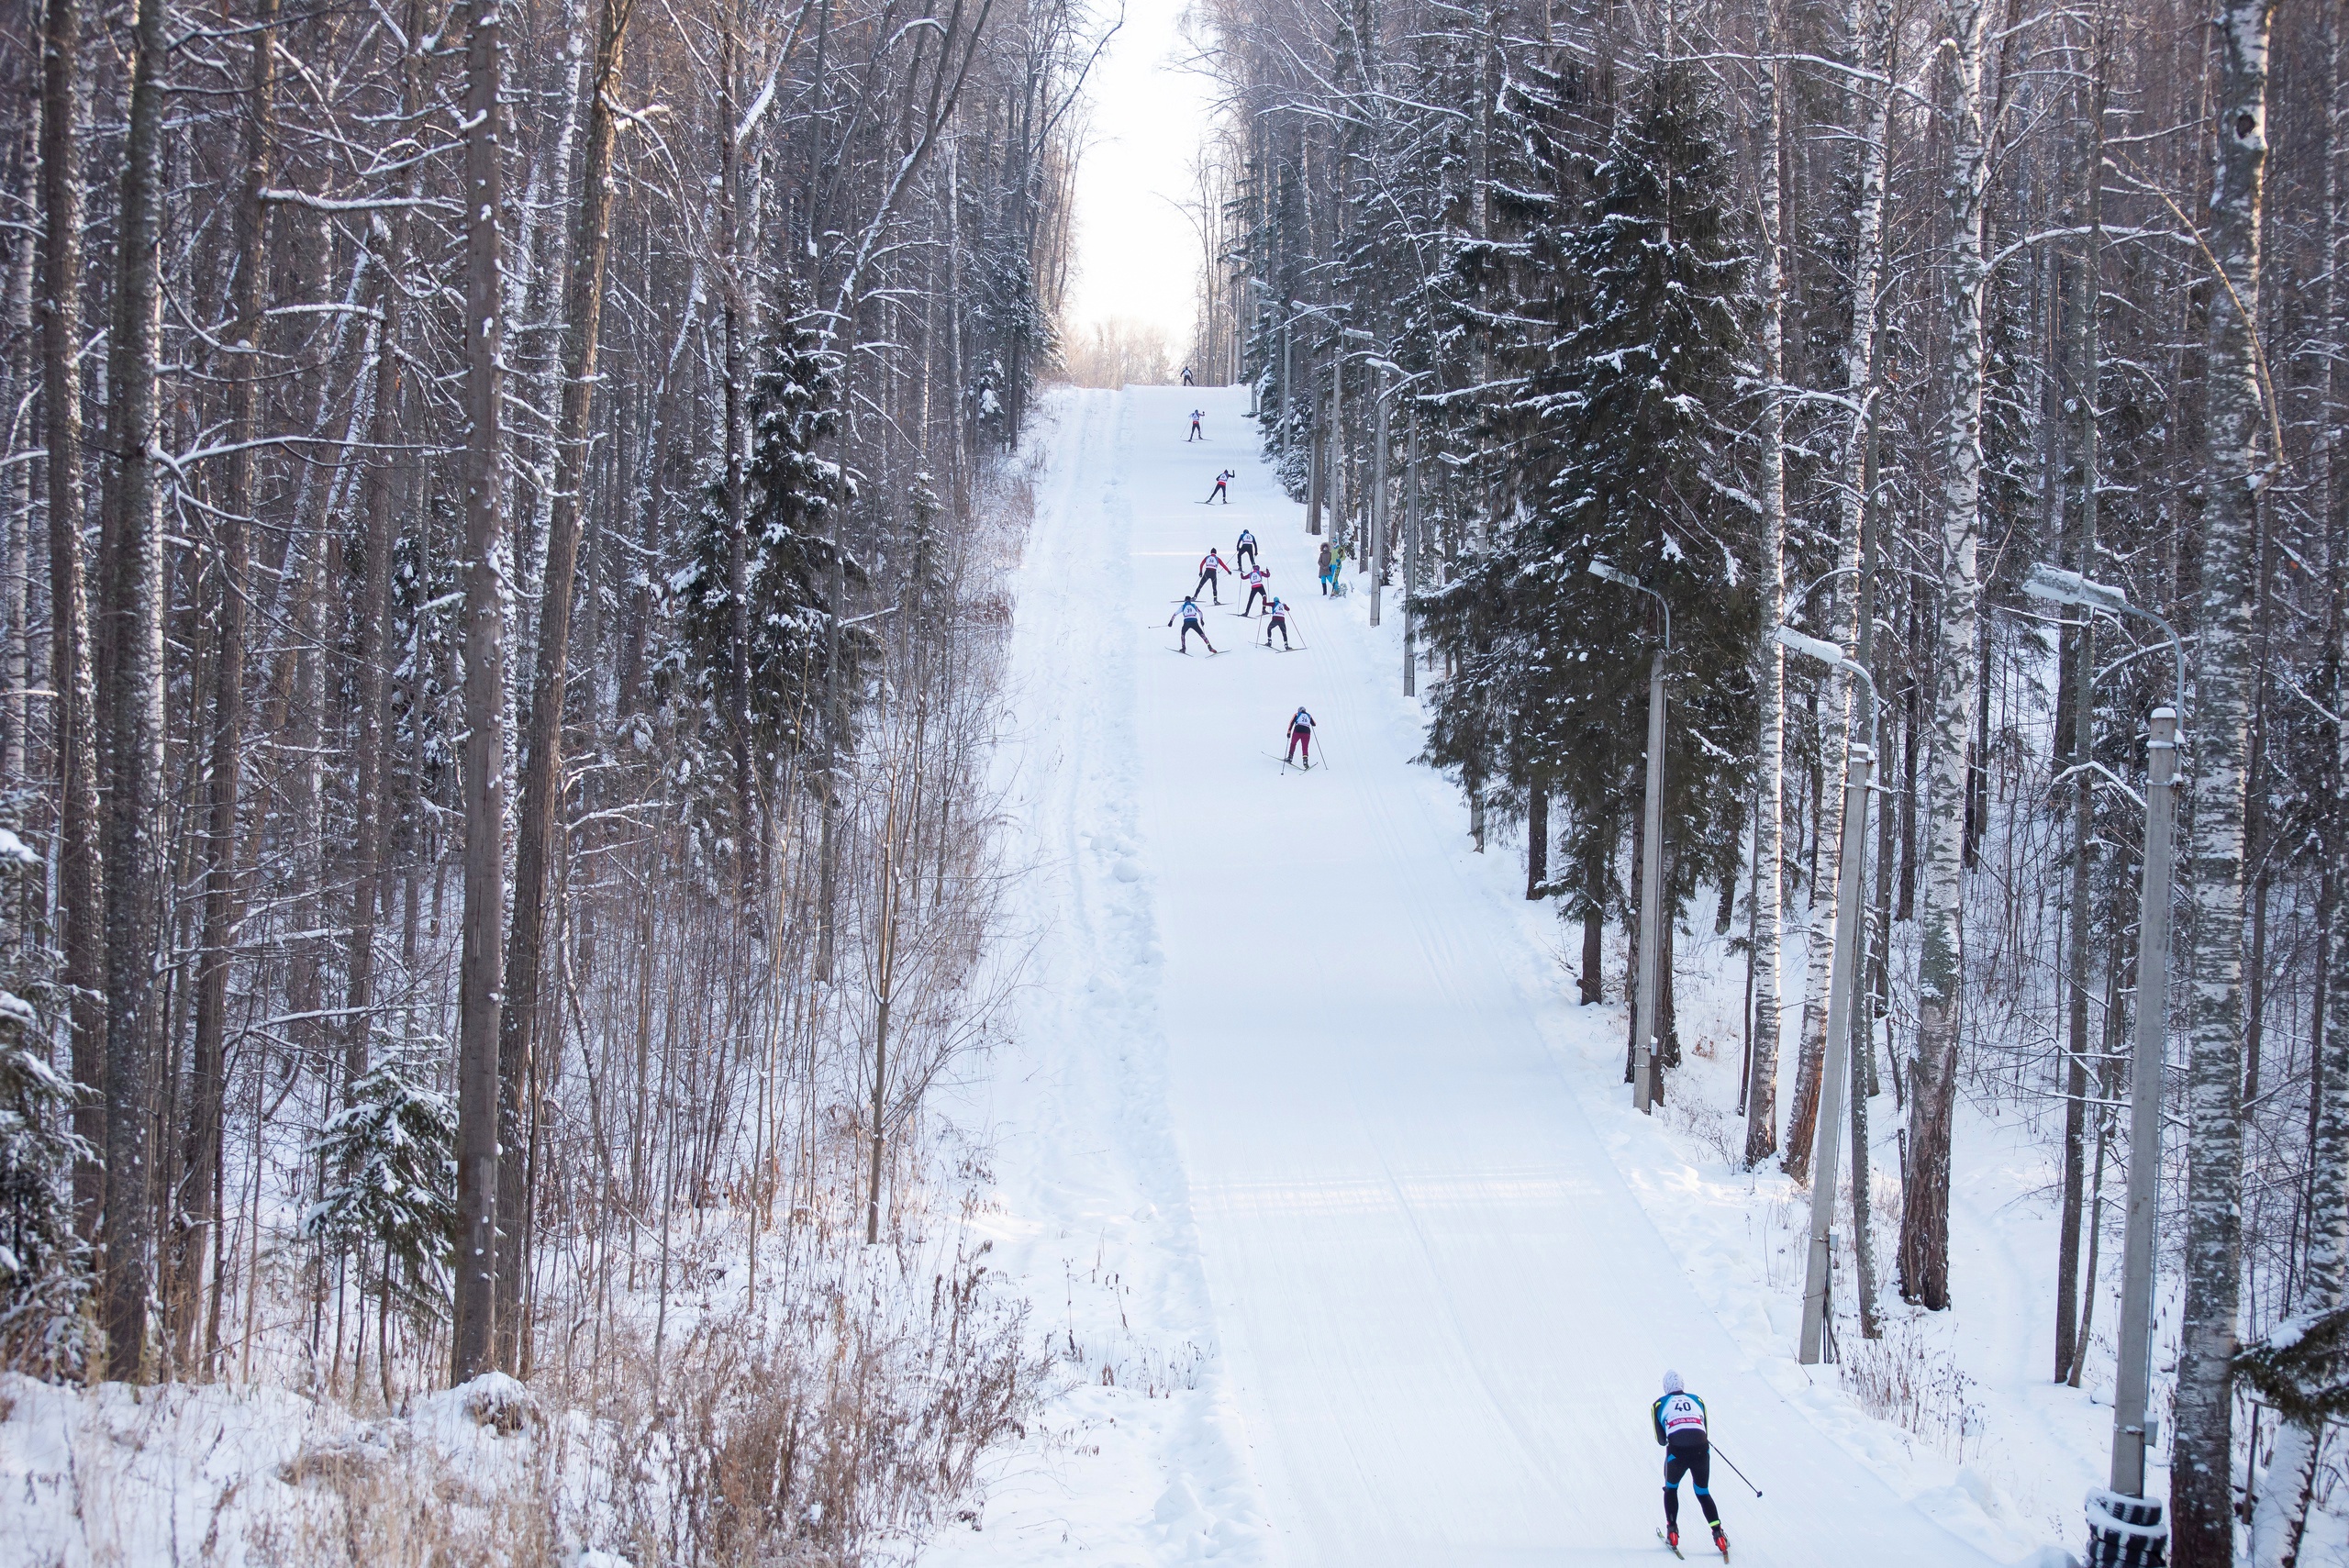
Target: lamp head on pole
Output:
[(1614, 574), (1826, 653), (2059, 586)]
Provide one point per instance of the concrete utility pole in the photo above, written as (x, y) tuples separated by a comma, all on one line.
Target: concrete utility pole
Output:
[(1287, 396), (2132, 1433), (1842, 981), (1378, 501), (1411, 560), (1646, 1085)]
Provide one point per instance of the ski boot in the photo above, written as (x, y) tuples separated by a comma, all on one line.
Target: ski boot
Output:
[(1670, 1535), (1721, 1542)]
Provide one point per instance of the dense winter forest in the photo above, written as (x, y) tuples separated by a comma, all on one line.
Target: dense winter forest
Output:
[(499, 628), (1847, 317)]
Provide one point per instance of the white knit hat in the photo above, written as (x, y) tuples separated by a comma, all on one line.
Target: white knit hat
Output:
[(1672, 1383)]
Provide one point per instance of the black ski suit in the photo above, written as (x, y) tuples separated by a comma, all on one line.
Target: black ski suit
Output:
[(1679, 1418)]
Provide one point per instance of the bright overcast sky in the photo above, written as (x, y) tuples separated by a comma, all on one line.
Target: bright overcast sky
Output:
[(1136, 256)]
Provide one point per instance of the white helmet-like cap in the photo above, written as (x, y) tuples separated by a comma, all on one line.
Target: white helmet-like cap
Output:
[(1672, 1383)]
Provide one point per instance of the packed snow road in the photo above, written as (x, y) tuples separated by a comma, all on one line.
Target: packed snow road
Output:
[(1436, 1313)]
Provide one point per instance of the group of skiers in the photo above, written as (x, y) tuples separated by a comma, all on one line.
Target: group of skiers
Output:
[(1213, 568)]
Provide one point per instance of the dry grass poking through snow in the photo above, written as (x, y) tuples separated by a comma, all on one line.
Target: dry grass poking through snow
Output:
[(1916, 1385)]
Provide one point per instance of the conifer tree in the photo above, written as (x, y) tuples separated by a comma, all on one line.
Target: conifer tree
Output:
[(1626, 384), (793, 494)]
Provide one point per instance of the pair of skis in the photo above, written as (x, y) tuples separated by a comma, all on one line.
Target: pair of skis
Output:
[(1674, 1548)]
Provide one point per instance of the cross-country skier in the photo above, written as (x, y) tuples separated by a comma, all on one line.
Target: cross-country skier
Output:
[(1186, 375), (1196, 415), (1246, 549), (1188, 612), (1326, 568), (1220, 480), (1276, 617), (1209, 564), (1255, 577), (1300, 731), (1679, 1420)]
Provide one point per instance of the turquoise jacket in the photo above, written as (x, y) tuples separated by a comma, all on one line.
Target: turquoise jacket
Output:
[(1655, 1414)]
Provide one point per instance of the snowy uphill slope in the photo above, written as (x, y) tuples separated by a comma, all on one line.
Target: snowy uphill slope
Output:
[(1431, 1311)]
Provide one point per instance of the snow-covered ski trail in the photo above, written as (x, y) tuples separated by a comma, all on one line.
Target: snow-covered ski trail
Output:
[(1435, 1311)]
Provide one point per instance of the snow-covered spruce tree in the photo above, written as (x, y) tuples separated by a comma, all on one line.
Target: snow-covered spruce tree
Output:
[(1624, 394), (44, 1265), (790, 552), (1511, 295), (389, 1196)]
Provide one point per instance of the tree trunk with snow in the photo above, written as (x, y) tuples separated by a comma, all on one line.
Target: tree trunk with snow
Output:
[(81, 892), (486, 566), (2235, 463), (1769, 819), (135, 856), (535, 831), (1924, 1216), (208, 1087)]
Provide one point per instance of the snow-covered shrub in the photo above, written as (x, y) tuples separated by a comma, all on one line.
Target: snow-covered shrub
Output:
[(44, 1265), (391, 1190)]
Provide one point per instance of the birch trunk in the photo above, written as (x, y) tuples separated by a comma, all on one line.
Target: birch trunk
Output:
[(535, 832), (208, 1085), (2078, 962), (2279, 1520), (1769, 818), (135, 854), (1924, 1216), (2202, 1472), (80, 885)]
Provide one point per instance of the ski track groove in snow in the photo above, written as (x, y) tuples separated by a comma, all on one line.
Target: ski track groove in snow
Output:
[(1289, 1072)]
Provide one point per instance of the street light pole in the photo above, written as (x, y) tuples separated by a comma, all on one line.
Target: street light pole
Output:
[(1842, 981), (1289, 395), (2133, 1431), (1378, 502), (1646, 1077), (1411, 559)]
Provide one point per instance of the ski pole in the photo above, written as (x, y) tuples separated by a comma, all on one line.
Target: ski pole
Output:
[(1740, 1473)]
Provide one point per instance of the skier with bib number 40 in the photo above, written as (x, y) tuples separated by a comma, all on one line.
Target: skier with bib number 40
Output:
[(1188, 614), (1300, 731), (1679, 1418)]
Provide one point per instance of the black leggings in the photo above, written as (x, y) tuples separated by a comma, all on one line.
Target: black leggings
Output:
[(1696, 1461), (1190, 627), (1207, 581), (1279, 624), (1255, 592), (1246, 552)]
